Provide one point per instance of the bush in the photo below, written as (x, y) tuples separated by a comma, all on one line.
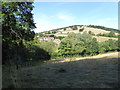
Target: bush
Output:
[(109, 45), (84, 45), (54, 32), (73, 27), (90, 32), (59, 37), (80, 30), (111, 34), (64, 29)]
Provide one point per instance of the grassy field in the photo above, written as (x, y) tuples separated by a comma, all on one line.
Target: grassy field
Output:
[(102, 39), (99, 71), (87, 29)]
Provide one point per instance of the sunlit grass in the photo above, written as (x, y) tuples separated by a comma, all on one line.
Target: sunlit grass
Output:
[(108, 55)]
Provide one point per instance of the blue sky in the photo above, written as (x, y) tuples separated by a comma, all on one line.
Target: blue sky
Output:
[(52, 15)]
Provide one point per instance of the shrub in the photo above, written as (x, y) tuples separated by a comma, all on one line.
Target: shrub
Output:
[(111, 34), (80, 30), (64, 29), (90, 32)]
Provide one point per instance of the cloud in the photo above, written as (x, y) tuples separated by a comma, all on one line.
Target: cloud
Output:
[(42, 19), (46, 27), (108, 22), (67, 17), (44, 23), (53, 21)]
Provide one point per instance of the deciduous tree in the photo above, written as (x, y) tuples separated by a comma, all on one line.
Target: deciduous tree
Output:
[(17, 26)]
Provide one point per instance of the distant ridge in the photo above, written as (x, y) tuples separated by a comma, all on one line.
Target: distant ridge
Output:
[(104, 28), (92, 26)]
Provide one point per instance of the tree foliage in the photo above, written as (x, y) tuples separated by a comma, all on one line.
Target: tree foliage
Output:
[(59, 37), (81, 29), (109, 45), (76, 45), (40, 35), (105, 28), (50, 47), (90, 32), (17, 26), (84, 45), (74, 27), (111, 34)]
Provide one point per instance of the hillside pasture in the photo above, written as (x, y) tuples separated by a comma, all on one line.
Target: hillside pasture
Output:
[(87, 29), (99, 71), (102, 39)]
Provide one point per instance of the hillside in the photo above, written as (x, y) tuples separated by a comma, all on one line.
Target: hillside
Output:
[(99, 71), (104, 28), (75, 29), (102, 39), (95, 30)]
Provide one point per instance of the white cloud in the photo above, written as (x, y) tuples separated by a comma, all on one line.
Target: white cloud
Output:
[(48, 22), (46, 28), (65, 16), (44, 23), (108, 22), (42, 19)]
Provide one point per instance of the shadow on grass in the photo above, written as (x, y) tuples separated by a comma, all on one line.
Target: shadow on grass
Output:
[(87, 73), (25, 58)]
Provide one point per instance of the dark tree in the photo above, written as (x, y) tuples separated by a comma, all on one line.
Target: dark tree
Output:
[(17, 26)]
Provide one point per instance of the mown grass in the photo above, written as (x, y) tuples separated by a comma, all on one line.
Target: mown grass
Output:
[(101, 72)]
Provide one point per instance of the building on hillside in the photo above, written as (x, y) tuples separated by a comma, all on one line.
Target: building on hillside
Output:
[(57, 41), (45, 38), (65, 32)]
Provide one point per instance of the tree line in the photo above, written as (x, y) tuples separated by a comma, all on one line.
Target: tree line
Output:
[(85, 45), (104, 28), (78, 45), (110, 34)]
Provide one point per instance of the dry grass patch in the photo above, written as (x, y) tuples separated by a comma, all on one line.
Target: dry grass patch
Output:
[(99, 71), (102, 39)]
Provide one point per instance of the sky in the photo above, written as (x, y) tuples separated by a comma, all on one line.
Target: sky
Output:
[(53, 15)]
